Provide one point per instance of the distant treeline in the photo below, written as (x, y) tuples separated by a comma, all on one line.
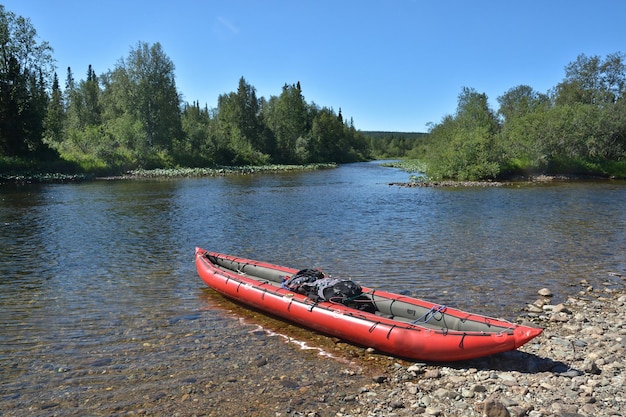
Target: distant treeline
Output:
[(385, 145), (133, 117)]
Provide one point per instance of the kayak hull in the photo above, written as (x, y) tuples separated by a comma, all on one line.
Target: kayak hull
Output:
[(401, 326)]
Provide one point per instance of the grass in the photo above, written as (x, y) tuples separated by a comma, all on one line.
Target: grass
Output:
[(20, 170)]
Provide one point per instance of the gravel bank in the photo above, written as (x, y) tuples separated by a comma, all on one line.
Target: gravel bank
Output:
[(575, 368)]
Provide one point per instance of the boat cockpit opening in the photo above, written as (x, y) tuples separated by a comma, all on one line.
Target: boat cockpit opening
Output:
[(402, 310)]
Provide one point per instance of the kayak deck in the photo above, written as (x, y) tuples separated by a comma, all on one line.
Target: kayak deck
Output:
[(397, 308)]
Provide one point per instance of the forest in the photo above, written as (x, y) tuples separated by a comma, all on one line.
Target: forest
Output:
[(133, 117)]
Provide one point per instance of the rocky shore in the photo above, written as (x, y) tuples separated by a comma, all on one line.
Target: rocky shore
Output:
[(414, 184), (516, 181), (575, 368)]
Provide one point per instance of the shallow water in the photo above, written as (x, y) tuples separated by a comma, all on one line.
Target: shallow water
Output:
[(98, 287)]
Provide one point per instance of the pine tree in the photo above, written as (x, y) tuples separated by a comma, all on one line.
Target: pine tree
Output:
[(24, 68), (56, 114), (90, 91)]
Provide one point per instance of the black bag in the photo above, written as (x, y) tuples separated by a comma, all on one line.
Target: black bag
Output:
[(338, 290), (344, 291), (313, 284), (298, 282)]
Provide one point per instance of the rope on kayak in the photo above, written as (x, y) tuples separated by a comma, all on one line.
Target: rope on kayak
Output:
[(240, 268), (430, 314), (389, 332), (373, 300), (462, 340), (374, 326), (344, 301)]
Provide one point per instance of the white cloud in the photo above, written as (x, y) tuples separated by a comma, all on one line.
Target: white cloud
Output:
[(224, 23)]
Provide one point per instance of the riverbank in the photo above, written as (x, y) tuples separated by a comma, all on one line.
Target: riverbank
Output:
[(575, 368), (216, 171), (540, 179), (159, 173)]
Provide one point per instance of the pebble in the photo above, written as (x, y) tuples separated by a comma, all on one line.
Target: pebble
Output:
[(545, 292), (576, 368), (433, 411)]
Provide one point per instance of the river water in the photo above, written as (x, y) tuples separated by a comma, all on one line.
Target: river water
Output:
[(98, 285)]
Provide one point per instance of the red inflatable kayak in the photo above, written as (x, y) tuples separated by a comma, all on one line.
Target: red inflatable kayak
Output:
[(390, 323)]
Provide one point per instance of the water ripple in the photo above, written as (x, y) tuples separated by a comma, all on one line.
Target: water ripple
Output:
[(101, 274)]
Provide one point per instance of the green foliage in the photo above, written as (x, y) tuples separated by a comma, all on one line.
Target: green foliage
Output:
[(520, 101), (132, 117), (408, 165), (240, 132), (24, 67), (29, 169), (578, 129), (289, 118), (143, 87), (330, 139), (591, 80), (388, 145), (464, 146), (614, 169), (55, 116), (198, 146)]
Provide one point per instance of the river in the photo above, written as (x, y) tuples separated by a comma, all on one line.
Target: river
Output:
[(98, 284)]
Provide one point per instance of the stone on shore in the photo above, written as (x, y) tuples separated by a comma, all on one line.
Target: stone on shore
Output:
[(575, 368)]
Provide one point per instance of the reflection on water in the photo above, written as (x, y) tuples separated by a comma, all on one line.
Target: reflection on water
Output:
[(98, 269)]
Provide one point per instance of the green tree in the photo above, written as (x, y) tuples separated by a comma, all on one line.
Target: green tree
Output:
[(523, 132), (611, 127), (55, 117), (198, 148), (140, 93), (591, 80), (358, 146), (584, 132), (83, 137), (25, 66), (327, 139), (90, 91), (288, 118), (520, 101), (586, 124), (614, 76), (154, 98), (465, 145), (73, 103), (240, 131)]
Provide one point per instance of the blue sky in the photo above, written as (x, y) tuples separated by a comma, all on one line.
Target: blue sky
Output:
[(392, 65)]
